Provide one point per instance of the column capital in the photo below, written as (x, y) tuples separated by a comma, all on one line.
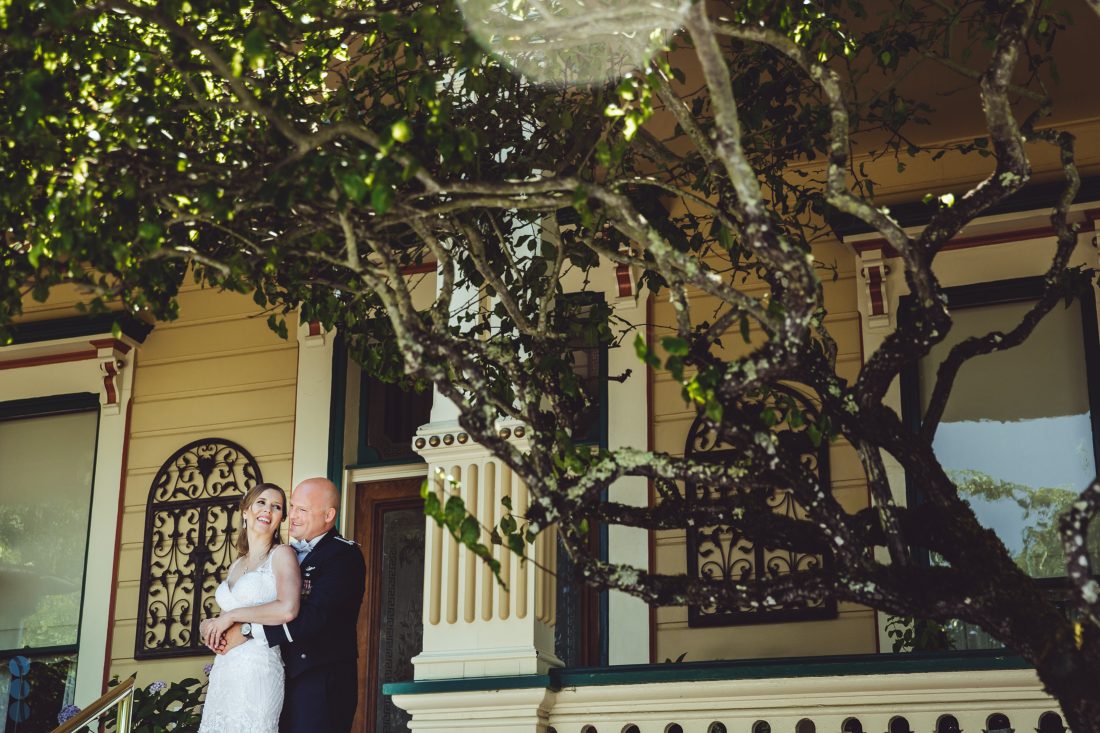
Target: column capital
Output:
[(447, 440)]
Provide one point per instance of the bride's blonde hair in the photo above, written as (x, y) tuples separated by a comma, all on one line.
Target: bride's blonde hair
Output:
[(246, 501)]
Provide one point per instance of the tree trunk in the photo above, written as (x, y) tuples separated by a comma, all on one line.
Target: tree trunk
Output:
[(1074, 680), (1083, 714)]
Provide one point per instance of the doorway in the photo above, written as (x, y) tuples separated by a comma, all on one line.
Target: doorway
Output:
[(389, 525)]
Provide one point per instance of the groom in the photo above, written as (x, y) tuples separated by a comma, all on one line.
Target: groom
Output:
[(319, 646)]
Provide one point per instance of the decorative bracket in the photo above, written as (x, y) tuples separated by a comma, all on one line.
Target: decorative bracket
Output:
[(874, 274), (110, 354), (450, 437), (314, 335), (625, 278)]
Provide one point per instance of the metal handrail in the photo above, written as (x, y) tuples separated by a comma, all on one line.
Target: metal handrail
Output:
[(121, 695)]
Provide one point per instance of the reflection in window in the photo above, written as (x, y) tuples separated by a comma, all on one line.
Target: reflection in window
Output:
[(401, 604), (1016, 435), (33, 690), (1017, 432), (45, 501), (389, 414), (582, 611)]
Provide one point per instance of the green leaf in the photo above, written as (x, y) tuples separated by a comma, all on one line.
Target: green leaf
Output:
[(714, 411), (454, 511), (725, 237), (354, 186), (675, 345), (431, 507), (469, 531), (641, 348), (770, 416), (401, 132), (516, 545), (381, 197)]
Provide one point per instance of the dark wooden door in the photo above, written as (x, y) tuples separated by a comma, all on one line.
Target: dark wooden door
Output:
[(389, 524)]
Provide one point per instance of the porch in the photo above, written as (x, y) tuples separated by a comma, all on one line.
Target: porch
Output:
[(910, 693)]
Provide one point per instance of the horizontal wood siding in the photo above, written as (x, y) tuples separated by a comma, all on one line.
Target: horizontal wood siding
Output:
[(217, 371), (853, 631)]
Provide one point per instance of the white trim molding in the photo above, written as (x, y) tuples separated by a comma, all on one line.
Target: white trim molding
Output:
[(524, 710), (827, 701), (628, 427), (735, 703), (101, 364), (312, 402)]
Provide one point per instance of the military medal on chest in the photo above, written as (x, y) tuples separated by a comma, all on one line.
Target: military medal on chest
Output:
[(307, 581)]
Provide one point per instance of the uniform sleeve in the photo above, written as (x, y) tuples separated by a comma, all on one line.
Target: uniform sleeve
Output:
[(339, 587)]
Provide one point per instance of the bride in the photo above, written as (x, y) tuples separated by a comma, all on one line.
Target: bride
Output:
[(263, 587)]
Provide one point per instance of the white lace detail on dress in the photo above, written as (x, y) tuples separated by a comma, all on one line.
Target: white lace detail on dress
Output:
[(246, 684)]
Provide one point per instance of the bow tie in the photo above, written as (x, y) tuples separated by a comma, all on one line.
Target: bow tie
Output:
[(300, 546)]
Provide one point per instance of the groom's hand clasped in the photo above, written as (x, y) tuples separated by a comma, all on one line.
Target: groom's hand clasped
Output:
[(220, 638)]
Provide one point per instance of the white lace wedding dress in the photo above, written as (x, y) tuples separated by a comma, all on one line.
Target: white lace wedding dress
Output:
[(246, 684)]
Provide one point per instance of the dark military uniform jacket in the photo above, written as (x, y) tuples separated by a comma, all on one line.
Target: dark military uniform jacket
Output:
[(333, 577)]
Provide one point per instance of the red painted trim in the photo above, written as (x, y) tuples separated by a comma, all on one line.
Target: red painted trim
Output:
[(624, 280), (111, 371), (111, 344), (118, 538), (874, 284), (422, 268), (963, 242), (51, 359)]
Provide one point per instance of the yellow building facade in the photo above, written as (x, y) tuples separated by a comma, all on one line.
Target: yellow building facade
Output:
[(124, 401)]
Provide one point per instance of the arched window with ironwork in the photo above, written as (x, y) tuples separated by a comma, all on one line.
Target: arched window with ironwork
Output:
[(190, 523), (725, 552)]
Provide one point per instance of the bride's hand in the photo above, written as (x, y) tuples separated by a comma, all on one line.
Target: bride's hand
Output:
[(215, 629), (204, 629)]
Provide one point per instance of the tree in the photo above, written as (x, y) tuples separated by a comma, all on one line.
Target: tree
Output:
[(312, 152)]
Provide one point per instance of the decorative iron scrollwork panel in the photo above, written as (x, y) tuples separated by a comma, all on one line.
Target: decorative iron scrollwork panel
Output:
[(724, 553), (190, 522)]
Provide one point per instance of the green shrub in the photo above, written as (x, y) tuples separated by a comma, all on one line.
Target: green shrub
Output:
[(160, 707)]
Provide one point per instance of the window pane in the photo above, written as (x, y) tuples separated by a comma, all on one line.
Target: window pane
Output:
[(1016, 434), (389, 416), (45, 500)]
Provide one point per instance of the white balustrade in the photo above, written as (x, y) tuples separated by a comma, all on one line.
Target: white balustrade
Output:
[(473, 625), (977, 701), (940, 702)]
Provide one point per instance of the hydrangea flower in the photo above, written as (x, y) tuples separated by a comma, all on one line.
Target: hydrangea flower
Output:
[(67, 713), (158, 686), (207, 667)]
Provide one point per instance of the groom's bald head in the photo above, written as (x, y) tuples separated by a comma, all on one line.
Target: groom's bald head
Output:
[(313, 508)]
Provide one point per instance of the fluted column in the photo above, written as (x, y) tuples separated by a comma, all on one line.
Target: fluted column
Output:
[(474, 627)]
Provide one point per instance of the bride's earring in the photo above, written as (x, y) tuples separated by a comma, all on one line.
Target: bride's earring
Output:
[(244, 523)]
